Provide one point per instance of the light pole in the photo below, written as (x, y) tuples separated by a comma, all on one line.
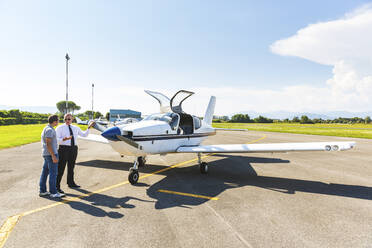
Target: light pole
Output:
[(67, 59), (92, 99)]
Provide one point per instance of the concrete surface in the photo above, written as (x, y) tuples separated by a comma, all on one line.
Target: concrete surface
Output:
[(310, 199)]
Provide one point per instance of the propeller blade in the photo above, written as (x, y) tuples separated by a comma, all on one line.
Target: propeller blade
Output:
[(129, 142)]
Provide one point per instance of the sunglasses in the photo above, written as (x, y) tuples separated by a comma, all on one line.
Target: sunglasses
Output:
[(68, 119)]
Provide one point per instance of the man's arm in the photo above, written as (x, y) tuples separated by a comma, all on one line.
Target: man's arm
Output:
[(60, 137), (50, 150), (86, 132)]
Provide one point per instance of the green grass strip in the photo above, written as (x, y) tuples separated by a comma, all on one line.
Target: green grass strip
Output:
[(16, 135), (341, 130)]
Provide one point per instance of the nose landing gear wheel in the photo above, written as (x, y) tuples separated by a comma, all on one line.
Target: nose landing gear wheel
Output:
[(133, 176), (203, 167)]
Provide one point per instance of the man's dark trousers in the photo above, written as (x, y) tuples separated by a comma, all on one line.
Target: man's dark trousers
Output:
[(67, 154)]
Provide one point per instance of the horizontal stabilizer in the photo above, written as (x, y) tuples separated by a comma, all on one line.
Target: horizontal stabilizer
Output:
[(274, 147), (95, 138)]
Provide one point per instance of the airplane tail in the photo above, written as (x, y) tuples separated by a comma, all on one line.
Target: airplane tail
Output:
[(208, 117)]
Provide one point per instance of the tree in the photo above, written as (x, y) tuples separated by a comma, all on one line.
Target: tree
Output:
[(225, 118), (306, 120), (15, 114), (367, 120), (240, 118), (107, 116), (97, 115), (61, 106), (295, 119), (89, 113), (261, 119)]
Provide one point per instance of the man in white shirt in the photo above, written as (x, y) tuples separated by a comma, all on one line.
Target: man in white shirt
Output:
[(67, 139)]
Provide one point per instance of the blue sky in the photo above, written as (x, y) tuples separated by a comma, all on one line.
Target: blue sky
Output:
[(127, 46)]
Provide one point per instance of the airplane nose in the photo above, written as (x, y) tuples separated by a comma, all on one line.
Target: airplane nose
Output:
[(111, 133)]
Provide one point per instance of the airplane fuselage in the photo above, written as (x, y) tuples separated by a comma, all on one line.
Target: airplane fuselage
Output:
[(157, 135)]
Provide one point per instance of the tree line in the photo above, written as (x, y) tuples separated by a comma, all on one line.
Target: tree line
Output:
[(244, 118), (15, 116)]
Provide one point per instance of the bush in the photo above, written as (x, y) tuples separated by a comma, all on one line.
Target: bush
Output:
[(261, 119), (28, 120), (8, 121)]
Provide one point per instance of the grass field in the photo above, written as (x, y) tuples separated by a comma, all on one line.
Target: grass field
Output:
[(16, 135), (341, 130)]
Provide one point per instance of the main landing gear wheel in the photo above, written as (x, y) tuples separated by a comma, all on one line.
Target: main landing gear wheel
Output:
[(133, 176), (203, 167), (141, 161)]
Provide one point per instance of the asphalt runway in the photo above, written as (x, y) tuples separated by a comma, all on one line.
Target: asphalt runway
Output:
[(304, 199)]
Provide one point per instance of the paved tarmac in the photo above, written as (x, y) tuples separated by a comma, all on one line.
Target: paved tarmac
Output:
[(308, 199)]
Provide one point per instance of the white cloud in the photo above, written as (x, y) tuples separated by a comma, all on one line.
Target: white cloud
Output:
[(346, 45)]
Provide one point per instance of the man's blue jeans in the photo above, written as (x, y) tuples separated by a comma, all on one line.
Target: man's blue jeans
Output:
[(50, 169)]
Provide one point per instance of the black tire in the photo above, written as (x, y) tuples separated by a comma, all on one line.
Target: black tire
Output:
[(203, 168), (133, 176), (141, 161)]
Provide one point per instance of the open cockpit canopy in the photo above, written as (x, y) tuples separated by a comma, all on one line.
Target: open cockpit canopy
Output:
[(163, 100), (177, 100), (174, 104)]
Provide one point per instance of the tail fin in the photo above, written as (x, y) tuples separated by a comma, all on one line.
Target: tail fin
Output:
[(210, 110), (79, 121)]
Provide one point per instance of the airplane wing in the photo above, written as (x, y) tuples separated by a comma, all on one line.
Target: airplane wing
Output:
[(273, 147), (230, 129), (95, 138)]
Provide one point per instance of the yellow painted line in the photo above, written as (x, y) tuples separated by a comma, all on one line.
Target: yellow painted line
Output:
[(256, 140), (7, 227), (9, 224), (187, 194)]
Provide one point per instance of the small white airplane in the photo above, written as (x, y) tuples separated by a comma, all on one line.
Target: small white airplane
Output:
[(120, 121), (99, 121), (174, 131)]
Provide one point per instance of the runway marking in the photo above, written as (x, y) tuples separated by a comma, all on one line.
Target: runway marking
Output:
[(188, 194), (240, 237), (10, 223), (7, 227)]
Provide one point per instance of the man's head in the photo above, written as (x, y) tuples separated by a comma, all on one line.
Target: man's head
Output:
[(53, 120), (68, 119)]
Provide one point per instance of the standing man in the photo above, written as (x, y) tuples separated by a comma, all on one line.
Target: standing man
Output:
[(67, 138), (50, 155)]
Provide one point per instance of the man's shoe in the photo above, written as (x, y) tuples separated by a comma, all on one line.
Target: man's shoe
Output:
[(44, 193), (60, 191), (57, 195), (74, 186)]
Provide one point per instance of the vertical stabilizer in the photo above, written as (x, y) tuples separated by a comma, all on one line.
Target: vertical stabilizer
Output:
[(210, 110)]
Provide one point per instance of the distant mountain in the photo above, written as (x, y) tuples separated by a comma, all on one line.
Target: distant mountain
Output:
[(324, 115), (34, 109)]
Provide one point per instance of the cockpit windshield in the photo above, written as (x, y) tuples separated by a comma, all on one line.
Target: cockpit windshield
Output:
[(171, 118)]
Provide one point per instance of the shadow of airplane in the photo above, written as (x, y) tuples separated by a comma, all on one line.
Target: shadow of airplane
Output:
[(91, 204), (228, 172)]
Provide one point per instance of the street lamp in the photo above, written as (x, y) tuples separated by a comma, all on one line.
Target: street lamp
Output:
[(67, 59), (92, 99)]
